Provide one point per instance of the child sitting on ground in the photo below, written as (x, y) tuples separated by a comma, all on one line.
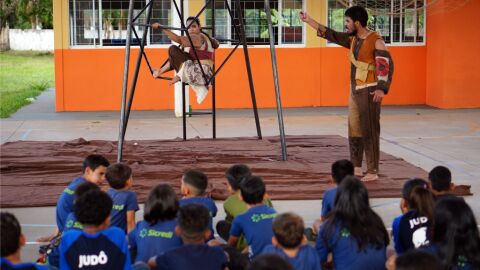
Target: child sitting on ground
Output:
[(411, 229), (290, 243), (156, 233), (193, 187), (195, 254), (11, 242), (119, 177), (72, 222), (440, 182), (98, 246), (256, 223), (234, 205)]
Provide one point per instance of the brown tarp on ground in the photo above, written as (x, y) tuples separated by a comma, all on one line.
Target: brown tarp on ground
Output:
[(35, 173)]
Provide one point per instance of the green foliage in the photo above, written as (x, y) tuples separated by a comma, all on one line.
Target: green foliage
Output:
[(23, 76), (29, 13)]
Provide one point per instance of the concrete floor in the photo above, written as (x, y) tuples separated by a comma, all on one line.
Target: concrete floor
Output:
[(424, 136)]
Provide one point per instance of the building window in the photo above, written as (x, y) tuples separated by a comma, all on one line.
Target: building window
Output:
[(397, 21), (104, 22), (285, 16)]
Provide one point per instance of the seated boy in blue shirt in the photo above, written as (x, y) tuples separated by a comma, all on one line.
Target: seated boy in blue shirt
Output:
[(256, 223), (94, 168), (340, 169), (11, 242), (119, 177), (98, 246), (440, 182), (193, 187), (192, 226), (290, 243)]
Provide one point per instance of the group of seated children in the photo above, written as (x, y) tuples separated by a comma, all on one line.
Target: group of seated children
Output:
[(97, 229)]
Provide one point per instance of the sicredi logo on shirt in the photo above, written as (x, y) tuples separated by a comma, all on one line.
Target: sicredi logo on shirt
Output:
[(155, 233), (92, 260), (259, 217)]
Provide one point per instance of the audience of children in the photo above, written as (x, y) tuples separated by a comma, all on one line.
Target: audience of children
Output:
[(193, 187), (119, 177), (174, 233)]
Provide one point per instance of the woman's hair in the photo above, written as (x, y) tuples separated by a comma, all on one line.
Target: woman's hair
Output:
[(352, 211), (161, 204), (421, 199), (455, 232)]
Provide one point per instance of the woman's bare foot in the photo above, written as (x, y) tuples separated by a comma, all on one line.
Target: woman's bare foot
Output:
[(370, 177), (358, 171), (174, 80)]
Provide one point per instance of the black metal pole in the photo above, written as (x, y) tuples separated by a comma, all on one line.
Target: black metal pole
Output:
[(276, 81), (247, 61), (137, 69), (184, 113), (214, 116), (125, 82)]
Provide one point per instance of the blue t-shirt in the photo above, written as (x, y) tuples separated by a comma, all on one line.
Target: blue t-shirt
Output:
[(208, 203), (153, 240), (104, 250), (256, 226), (123, 201), (65, 202), (306, 258), (7, 265), (198, 257), (410, 231), (72, 223), (346, 254), (461, 263), (328, 201)]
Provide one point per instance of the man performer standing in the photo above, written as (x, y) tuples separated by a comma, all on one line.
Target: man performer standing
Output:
[(370, 77)]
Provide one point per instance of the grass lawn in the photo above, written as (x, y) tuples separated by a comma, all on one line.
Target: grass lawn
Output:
[(23, 76)]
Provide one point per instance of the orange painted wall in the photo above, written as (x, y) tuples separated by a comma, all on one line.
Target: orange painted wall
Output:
[(91, 79), (453, 42)]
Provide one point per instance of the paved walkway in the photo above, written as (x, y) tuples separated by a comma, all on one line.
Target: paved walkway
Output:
[(423, 136)]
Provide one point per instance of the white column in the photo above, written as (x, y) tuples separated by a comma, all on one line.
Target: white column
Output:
[(178, 86)]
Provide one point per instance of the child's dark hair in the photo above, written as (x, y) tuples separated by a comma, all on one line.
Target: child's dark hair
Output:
[(352, 210), (357, 13), (10, 231), (253, 190), (193, 220), (288, 229), (93, 207), (236, 174), (118, 174), (415, 259), (84, 188), (197, 180), (95, 161), (161, 204), (340, 169), (455, 232), (440, 178), (269, 261), (410, 185), (236, 260), (421, 199)]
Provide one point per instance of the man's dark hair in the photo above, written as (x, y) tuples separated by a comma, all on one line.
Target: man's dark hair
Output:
[(410, 185), (416, 259), (10, 231), (95, 161), (193, 220), (440, 177), (196, 179), (357, 13), (270, 262), (252, 190), (288, 229), (84, 188), (93, 207), (236, 174), (340, 169), (118, 174), (161, 204)]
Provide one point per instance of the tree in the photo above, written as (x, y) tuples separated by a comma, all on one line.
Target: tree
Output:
[(34, 14), (7, 11)]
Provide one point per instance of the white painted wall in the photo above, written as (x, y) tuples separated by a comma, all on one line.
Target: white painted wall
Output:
[(36, 40)]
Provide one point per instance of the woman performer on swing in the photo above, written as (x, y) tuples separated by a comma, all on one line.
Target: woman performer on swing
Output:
[(188, 71)]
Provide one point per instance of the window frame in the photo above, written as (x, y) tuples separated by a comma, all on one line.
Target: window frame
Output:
[(397, 43)]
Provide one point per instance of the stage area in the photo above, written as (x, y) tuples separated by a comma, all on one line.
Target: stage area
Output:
[(34, 173)]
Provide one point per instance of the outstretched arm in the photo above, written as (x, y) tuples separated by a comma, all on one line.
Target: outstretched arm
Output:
[(182, 40), (342, 39)]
